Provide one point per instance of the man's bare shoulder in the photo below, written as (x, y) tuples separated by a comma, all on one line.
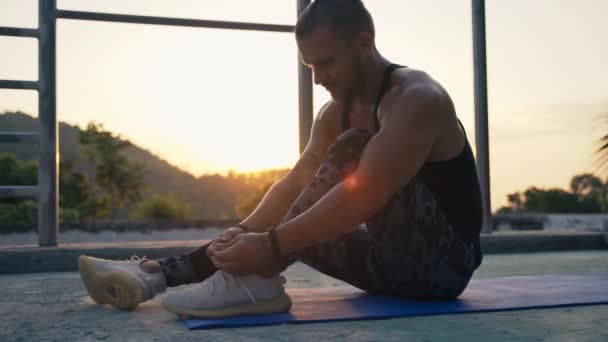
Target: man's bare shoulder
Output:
[(418, 99), (408, 81), (410, 89), (414, 89)]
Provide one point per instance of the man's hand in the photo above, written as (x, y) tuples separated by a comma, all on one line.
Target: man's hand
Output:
[(246, 254), (224, 240)]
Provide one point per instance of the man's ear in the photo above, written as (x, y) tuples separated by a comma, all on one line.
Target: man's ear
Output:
[(365, 43)]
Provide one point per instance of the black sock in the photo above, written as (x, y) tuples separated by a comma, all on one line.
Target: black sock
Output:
[(192, 267)]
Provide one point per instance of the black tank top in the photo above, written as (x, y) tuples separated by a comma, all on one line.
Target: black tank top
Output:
[(454, 183)]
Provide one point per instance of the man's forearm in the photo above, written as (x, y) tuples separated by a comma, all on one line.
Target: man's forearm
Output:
[(273, 207), (338, 212)]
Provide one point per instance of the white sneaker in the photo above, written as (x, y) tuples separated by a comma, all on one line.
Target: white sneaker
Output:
[(120, 283), (223, 295)]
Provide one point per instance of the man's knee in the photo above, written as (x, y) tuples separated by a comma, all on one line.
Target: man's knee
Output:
[(350, 143)]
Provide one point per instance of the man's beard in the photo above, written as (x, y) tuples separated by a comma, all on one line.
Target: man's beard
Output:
[(355, 85)]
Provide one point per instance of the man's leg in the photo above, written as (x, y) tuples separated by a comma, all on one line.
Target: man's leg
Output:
[(344, 257), (420, 253), (408, 248), (195, 266)]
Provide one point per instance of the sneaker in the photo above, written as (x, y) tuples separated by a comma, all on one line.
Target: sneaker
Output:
[(223, 295), (120, 283)]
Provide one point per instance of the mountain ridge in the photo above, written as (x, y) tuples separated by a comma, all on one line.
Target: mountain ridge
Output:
[(211, 196)]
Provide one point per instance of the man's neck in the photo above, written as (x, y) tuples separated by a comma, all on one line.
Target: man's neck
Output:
[(372, 78)]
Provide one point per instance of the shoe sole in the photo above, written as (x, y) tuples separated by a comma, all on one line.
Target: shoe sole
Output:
[(117, 288), (276, 305)]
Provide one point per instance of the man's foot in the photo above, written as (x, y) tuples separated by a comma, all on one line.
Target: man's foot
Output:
[(122, 284), (223, 295)]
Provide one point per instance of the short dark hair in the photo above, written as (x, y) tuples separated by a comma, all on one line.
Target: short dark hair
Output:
[(346, 18)]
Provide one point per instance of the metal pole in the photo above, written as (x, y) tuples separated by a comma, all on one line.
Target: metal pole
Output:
[(18, 32), (11, 84), (48, 219), (481, 109), (138, 19), (304, 92)]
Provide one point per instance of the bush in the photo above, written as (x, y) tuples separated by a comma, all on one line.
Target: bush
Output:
[(69, 215), (246, 205), (25, 211), (15, 172), (160, 207)]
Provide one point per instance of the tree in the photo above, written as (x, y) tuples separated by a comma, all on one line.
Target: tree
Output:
[(602, 151), (587, 195), (515, 201), (550, 200), (590, 190), (159, 207), (247, 204), (117, 180), (15, 172), (74, 192)]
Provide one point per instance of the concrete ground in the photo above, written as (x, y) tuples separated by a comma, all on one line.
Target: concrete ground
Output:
[(55, 307)]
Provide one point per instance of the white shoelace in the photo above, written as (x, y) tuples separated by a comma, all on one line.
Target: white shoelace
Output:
[(134, 258), (246, 289), (138, 258), (224, 277)]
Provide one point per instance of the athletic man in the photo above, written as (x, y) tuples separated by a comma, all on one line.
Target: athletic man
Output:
[(385, 196)]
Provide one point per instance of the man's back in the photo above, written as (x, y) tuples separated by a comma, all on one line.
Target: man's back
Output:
[(450, 140)]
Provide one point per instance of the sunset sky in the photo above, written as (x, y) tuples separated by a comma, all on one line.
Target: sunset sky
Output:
[(210, 100)]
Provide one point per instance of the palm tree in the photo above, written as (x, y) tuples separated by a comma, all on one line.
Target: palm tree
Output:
[(602, 161), (602, 150)]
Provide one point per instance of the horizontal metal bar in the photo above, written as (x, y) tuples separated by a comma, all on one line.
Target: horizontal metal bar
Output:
[(138, 19), (8, 84), (18, 32), (19, 138), (18, 191)]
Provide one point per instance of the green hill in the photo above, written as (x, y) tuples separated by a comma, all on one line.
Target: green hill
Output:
[(210, 196)]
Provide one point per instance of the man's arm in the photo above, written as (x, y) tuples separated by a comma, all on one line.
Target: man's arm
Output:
[(409, 128), (282, 194)]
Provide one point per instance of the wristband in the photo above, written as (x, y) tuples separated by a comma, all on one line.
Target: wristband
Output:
[(274, 242)]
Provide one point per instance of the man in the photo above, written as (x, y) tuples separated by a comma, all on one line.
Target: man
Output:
[(384, 197)]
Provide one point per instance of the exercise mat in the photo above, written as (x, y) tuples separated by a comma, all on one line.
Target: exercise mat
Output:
[(484, 295)]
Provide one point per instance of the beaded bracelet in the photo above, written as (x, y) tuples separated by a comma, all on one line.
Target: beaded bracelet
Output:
[(274, 242)]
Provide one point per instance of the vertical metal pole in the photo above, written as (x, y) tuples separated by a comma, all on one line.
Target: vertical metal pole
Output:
[(304, 92), (481, 109), (48, 211)]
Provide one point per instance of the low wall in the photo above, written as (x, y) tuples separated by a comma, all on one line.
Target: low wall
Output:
[(121, 226), (531, 221), (27, 259)]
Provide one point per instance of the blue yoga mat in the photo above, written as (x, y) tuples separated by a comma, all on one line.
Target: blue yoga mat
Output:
[(484, 295)]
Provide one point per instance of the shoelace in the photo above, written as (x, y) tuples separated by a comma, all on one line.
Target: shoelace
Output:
[(214, 278), (139, 259)]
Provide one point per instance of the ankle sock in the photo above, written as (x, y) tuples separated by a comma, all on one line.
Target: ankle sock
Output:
[(192, 267)]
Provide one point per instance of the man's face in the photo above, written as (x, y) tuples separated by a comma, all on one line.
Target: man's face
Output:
[(335, 63)]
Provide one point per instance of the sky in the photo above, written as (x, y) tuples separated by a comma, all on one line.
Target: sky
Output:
[(209, 100)]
